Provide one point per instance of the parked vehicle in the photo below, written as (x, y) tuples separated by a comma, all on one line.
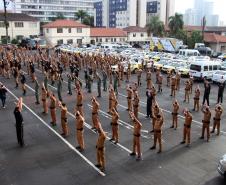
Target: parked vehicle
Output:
[(203, 68), (219, 76), (170, 67), (28, 43), (222, 57), (183, 70), (189, 52)]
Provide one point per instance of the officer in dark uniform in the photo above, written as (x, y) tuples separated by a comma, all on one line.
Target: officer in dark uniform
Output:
[(23, 81), (89, 83), (70, 79), (221, 86), (19, 122), (36, 91), (59, 88), (86, 78), (206, 92), (99, 85), (149, 103), (104, 81)]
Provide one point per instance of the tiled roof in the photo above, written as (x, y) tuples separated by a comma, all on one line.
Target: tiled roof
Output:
[(17, 17), (134, 29), (64, 23), (214, 38), (107, 32)]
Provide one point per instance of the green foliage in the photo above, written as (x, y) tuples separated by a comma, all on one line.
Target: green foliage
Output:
[(176, 23), (88, 20), (4, 40), (58, 16), (14, 41), (182, 35), (196, 37), (155, 26), (81, 15)]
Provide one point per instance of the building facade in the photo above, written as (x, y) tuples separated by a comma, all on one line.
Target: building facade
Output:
[(20, 25), (125, 13), (45, 10)]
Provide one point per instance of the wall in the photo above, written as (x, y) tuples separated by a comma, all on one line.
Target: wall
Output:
[(53, 36), (27, 29), (138, 37), (109, 39)]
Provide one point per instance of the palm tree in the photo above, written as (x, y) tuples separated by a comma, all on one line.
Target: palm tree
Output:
[(155, 26), (81, 14), (88, 20), (176, 23)]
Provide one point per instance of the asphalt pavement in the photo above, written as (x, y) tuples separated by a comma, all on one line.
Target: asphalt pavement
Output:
[(47, 158)]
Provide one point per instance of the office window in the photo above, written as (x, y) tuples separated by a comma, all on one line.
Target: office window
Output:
[(70, 41), (60, 41), (69, 30), (111, 39), (210, 68), (106, 40), (134, 35), (79, 30), (141, 34), (59, 30), (205, 68), (19, 24), (2, 24), (114, 39), (100, 40), (47, 30)]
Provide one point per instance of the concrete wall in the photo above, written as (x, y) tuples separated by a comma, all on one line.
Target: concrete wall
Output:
[(29, 28), (137, 38), (108, 39), (52, 36)]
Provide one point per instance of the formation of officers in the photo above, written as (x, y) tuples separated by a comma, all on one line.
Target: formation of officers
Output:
[(53, 65)]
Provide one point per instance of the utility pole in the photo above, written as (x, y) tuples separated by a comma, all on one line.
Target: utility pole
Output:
[(6, 22)]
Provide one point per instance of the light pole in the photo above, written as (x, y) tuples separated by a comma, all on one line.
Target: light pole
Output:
[(5, 2)]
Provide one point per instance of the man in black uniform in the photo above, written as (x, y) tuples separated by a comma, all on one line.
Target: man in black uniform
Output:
[(221, 86), (149, 103), (19, 122), (206, 92)]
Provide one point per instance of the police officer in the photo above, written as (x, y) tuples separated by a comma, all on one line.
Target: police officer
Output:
[(173, 86), (139, 74), (155, 112), (111, 94), (206, 122), (169, 75), (176, 108), (64, 124), (206, 92), (95, 109), (149, 103), (158, 132), (23, 81), (59, 88), (104, 81), (46, 81), (52, 107), (89, 83), (178, 76), (100, 147), (114, 125), (148, 79), (36, 91), (19, 122), (136, 136), (44, 100), (160, 78), (136, 101), (86, 77), (99, 85), (196, 98), (79, 131), (70, 80), (116, 81), (187, 91), (217, 118), (221, 86), (79, 103), (187, 128)]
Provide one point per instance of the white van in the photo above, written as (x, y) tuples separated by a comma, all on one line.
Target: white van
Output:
[(189, 52), (203, 68), (109, 46)]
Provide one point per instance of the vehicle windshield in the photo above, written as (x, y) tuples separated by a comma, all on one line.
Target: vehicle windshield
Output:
[(220, 72), (42, 42), (195, 67)]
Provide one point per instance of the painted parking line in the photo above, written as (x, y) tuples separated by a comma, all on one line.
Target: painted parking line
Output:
[(59, 136)]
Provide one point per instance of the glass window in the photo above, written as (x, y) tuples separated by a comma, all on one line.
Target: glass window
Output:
[(59, 30), (210, 68), (215, 67), (141, 34), (60, 41), (47, 30), (134, 35), (69, 30), (106, 40), (70, 41), (19, 24), (205, 68), (195, 67), (79, 30)]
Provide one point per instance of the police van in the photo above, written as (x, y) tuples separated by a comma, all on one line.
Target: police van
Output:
[(203, 67), (188, 52)]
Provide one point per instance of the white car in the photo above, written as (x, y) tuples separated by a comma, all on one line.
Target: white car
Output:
[(219, 76), (222, 166)]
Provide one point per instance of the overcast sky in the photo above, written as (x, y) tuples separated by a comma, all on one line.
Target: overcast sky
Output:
[(219, 7)]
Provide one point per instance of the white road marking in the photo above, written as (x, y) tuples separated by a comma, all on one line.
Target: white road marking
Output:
[(58, 135)]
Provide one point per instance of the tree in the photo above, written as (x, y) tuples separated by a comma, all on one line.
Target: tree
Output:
[(88, 20), (182, 35), (196, 37), (176, 23), (80, 15), (58, 16), (155, 26)]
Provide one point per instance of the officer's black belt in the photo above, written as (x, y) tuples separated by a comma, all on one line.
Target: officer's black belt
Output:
[(79, 105), (52, 107), (136, 135), (196, 98), (157, 131), (207, 122), (80, 129), (188, 126), (216, 119), (65, 119), (114, 123), (129, 98), (100, 148), (94, 113), (175, 113)]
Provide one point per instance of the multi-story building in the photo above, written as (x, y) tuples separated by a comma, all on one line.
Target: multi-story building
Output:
[(124, 13), (45, 10), (20, 25)]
